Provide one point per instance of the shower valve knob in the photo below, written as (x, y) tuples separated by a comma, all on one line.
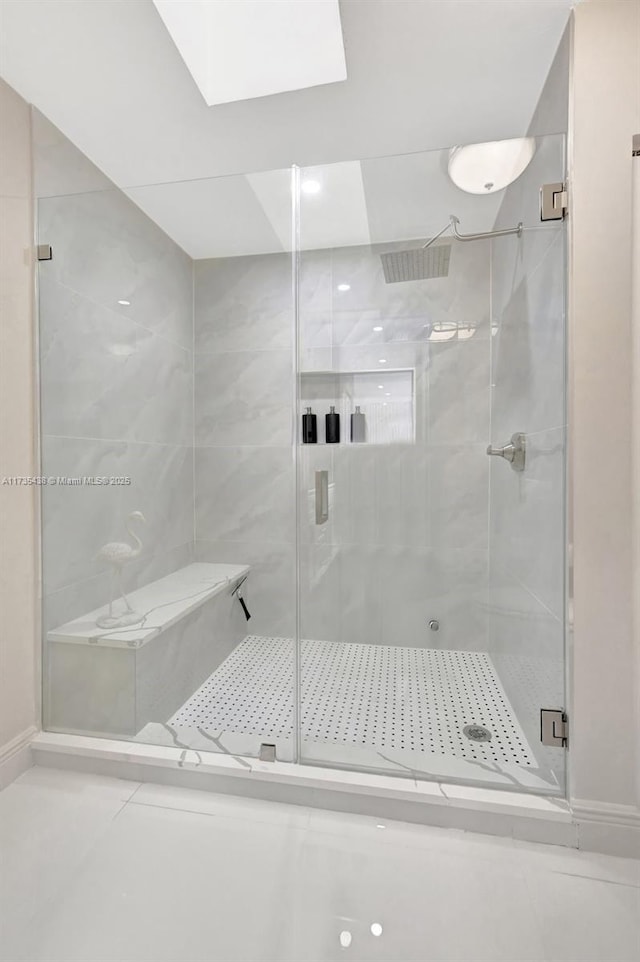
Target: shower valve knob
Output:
[(514, 452)]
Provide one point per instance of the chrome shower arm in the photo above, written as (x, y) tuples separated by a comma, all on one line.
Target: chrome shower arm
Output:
[(490, 233), (434, 239), (452, 225)]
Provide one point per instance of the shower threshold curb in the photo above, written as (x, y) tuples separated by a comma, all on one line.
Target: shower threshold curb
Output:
[(532, 818)]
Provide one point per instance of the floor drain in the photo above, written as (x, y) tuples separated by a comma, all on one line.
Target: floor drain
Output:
[(477, 733)]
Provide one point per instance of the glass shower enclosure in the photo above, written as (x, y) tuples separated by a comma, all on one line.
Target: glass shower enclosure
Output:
[(272, 526)]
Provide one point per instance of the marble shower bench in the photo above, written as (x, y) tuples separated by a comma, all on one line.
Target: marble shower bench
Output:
[(115, 681)]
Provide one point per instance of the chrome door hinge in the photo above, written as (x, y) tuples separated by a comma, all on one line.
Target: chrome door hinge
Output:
[(44, 252), (554, 727), (554, 201)]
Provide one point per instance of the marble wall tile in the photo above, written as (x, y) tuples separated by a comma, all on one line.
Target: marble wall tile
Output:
[(528, 364), (270, 592), (243, 303), (459, 496), (321, 592), (108, 250), (520, 625), (78, 520), (459, 392), (317, 282), (77, 598), (384, 500), (527, 520), (100, 373), (245, 494), (360, 600), (421, 584), (402, 490), (403, 308), (381, 594), (116, 385), (244, 397), (316, 359)]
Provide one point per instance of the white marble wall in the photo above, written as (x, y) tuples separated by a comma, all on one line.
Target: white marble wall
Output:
[(116, 381), (407, 538), (407, 535), (244, 470)]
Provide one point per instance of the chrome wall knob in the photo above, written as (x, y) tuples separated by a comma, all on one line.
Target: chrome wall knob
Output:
[(514, 452)]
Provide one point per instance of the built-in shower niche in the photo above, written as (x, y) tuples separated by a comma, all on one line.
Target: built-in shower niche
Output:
[(386, 398)]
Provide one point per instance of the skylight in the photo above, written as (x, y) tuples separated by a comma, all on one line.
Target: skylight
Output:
[(237, 51)]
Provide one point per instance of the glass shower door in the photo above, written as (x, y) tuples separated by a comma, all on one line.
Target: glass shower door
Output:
[(166, 384), (421, 620)]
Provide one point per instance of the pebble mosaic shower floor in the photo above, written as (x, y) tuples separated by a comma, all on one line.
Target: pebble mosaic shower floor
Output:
[(376, 696)]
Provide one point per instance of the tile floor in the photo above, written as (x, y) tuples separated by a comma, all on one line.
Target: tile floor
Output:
[(386, 697), (94, 868)]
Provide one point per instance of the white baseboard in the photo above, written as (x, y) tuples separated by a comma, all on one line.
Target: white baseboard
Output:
[(606, 827), (16, 756)]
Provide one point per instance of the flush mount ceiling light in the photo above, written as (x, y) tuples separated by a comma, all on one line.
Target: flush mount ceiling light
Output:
[(487, 168), (310, 187), (237, 51)]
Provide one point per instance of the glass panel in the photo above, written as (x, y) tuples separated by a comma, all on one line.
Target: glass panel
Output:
[(431, 575), (169, 372)]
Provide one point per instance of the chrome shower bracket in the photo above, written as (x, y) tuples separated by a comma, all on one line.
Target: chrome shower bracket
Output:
[(515, 452)]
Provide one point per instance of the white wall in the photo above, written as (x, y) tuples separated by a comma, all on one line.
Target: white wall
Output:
[(18, 660), (605, 113)]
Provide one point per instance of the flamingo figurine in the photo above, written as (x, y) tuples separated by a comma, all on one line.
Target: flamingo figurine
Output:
[(118, 554)]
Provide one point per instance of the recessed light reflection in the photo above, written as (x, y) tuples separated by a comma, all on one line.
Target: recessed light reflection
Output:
[(378, 328), (310, 187), (376, 929), (382, 360), (464, 333), (443, 331), (381, 387), (344, 287), (124, 303), (380, 825), (387, 393), (345, 939)]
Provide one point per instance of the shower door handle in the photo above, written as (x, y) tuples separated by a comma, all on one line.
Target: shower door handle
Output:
[(322, 497)]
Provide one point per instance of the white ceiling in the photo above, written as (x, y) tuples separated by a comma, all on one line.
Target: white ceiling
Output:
[(223, 43), (422, 74)]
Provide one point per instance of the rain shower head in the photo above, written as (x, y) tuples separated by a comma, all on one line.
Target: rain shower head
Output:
[(417, 264)]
